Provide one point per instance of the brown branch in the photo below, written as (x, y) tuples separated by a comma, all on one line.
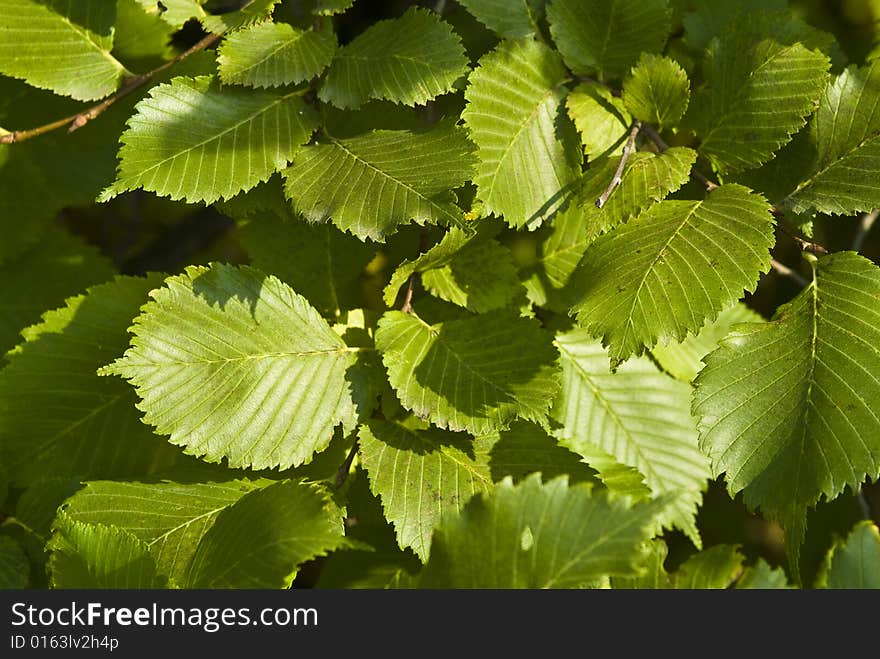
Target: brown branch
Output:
[(618, 175), (803, 243), (406, 307), (77, 121)]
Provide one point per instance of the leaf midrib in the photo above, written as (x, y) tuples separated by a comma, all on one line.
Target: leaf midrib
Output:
[(339, 144)]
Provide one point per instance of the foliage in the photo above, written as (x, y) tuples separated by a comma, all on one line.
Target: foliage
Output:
[(477, 294)]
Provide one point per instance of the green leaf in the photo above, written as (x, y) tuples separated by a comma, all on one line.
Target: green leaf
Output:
[(261, 540), (141, 38), (169, 518), (331, 7), (274, 54), (371, 184), (510, 19), (715, 568), (657, 91), (638, 416), (41, 278), (762, 576), (673, 268), (175, 12), (843, 133), (607, 36), (471, 270), (710, 17), (241, 137), (408, 60), (250, 13), (684, 360), (654, 576), (98, 556), (541, 535), (61, 46), (526, 448), (57, 417), (231, 363), (647, 179), (513, 100), (761, 84), (795, 401), (319, 261), (855, 563), (600, 117), (475, 374), (14, 567), (24, 193), (420, 472)]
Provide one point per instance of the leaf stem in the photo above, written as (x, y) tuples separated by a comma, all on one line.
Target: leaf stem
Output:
[(865, 223), (345, 467), (80, 119), (618, 175)]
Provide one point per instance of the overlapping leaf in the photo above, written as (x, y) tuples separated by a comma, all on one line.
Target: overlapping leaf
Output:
[(541, 535), (62, 46), (843, 133), (418, 473), (513, 99), (476, 374), (855, 562), (763, 78), (600, 117), (607, 36), (508, 18), (251, 12), (320, 262), (638, 416), (373, 183), (469, 269), (61, 265), (193, 140), (715, 568), (261, 540), (231, 363), (56, 415), (647, 178), (797, 400), (274, 54), (408, 60), (673, 268), (175, 12), (98, 556), (169, 518), (684, 360)]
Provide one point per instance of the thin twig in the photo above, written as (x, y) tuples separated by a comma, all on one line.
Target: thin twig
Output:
[(661, 145), (864, 505), (803, 243), (865, 223), (785, 271), (618, 175), (77, 121), (345, 468), (406, 307)]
